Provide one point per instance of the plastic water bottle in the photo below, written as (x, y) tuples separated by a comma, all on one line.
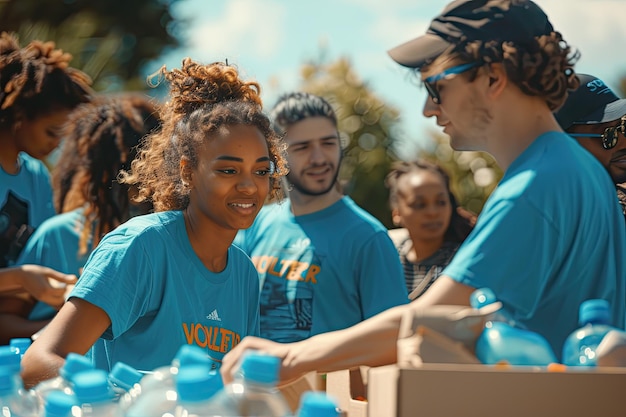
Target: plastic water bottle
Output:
[(253, 391), (123, 378), (15, 401), (485, 296), (157, 389), (318, 404), (74, 364), (502, 341), (94, 394), (20, 344), (11, 359), (59, 404), (594, 317), (196, 385)]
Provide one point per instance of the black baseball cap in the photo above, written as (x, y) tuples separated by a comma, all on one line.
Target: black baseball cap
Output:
[(591, 103), (461, 21)]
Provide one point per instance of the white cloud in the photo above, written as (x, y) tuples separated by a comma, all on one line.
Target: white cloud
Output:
[(245, 26)]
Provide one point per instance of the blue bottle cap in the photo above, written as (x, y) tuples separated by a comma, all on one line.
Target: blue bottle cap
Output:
[(318, 404), (20, 343), (260, 368), (74, 363), (196, 383), (124, 376), (192, 354), (482, 297), (7, 380), (59, 404), (10, 358), (92, 386), (594, 311)]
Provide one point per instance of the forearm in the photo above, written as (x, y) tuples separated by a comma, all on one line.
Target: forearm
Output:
[(10, 280), (12, 326), (369, 343)]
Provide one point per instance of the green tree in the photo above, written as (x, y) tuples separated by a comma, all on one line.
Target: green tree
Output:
[(110, 40), (364, 122)]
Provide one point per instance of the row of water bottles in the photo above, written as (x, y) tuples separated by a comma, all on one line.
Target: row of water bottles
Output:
[(504, 340), (186, 388)]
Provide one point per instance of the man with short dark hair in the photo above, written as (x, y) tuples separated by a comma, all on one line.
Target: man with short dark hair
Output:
[(596, 117)]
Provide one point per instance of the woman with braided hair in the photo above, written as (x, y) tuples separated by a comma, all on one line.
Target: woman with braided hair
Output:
[(38, 89), (99, 139), (173, 277)]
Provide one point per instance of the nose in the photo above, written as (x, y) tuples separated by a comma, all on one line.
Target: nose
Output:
[(430, 109), (317, 155), (246, 184)]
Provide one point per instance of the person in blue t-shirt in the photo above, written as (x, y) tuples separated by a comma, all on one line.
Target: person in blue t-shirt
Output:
[(99, 138), (324, 262), (549, 237), (38, 91), (172, 277)]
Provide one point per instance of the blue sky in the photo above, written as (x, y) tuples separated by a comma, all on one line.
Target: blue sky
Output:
[(269, 40)]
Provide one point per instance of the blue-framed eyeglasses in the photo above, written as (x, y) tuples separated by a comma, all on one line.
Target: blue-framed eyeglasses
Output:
[(609, 137), (431, 82)]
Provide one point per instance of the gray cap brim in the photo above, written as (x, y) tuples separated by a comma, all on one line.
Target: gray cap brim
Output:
[(419, 51)]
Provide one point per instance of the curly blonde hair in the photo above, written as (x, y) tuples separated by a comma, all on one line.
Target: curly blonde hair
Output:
[(203, 99), (542, 67), (37, 79)]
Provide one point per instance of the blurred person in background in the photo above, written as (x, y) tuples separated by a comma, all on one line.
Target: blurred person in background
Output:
[(100, 138), (596, 117), (431, 225)]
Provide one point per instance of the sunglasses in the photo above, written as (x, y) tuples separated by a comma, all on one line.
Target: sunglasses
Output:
[(609, 137), (431, 82)]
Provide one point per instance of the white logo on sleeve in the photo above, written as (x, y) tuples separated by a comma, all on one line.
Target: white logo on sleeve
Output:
[(214, 316)]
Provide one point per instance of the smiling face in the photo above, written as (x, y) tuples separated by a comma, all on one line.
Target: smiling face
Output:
[(313, 153), (231, 181), (614, 159), (41, 135), (423, 205)]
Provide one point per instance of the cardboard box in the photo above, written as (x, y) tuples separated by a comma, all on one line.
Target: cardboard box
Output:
[(292, 392), (349, 388), (451, 390)]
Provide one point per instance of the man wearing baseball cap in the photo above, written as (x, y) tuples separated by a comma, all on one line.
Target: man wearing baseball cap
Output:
[(596, 117), (545, 241)]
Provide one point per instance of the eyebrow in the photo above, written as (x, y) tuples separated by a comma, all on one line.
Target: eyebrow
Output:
[(303, 141), (237, 159)]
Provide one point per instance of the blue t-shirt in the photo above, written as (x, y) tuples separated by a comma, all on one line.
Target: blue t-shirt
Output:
[(549, 237), (322, 271), (55, 245), (25, 202), (159, 295)]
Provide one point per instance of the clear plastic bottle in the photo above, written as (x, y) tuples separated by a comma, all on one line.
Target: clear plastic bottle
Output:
[(253, 391), (94, 394), (594, 317), (157, 389), (123, 378), (503, 340), (196, 385), (74, 363), (318, 404), (14, 400), (10, 358), (59, 404)]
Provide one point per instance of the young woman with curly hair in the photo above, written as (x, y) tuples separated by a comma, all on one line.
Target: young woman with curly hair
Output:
[(172, 277), (99, 139), (546, 239), (431, 224)]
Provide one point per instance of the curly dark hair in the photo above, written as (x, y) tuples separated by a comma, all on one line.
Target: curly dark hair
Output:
[(543, 66), (203, 99), (100, 139), (462, 221), (37, 79)]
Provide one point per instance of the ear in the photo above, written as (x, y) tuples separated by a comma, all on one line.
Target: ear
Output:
[(185, 172), (498, 79)]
